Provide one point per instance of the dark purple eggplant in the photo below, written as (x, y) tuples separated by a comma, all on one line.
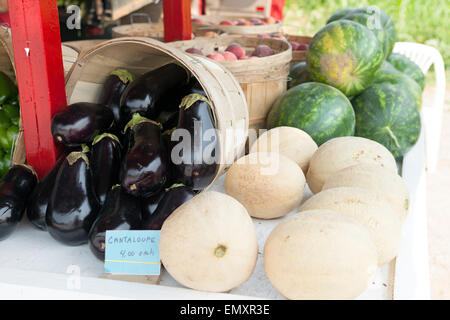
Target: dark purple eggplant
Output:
[(113, 88), (168, 119), (79, 123), (73, 205), (105, 161), (197, 167), (121, 211), (39, 198), (150, 204), (195, 87), (142, 95), (15, 189), (174, 197), (145, 169)]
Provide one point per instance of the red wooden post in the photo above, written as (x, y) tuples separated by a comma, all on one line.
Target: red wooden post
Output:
[(40, 75), (276, 11), (177, 20)]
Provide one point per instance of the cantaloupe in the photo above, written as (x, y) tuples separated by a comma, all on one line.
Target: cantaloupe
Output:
[(370, 209), (320, 254), (269, 185), (377, 179), (209, 243), (339, 153), (291, 142)]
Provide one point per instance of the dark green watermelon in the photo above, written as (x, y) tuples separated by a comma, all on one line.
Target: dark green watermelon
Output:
[(388, 74), (408, 67), (387, 68), (388, 114), (298, 74), (338, 15), (345, 55), (376, 20), (316, 108)]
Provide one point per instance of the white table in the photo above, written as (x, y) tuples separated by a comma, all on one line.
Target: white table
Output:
[(33, 265)]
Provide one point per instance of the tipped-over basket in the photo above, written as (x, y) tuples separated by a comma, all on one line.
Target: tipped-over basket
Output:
[(140, 55)]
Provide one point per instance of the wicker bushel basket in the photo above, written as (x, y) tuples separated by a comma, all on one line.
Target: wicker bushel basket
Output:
[(298, 56), (263, 80)]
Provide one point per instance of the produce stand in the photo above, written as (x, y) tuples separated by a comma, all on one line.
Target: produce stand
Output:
[(33, 265)]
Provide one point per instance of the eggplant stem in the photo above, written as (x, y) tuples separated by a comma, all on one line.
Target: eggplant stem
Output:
[(75, 156), (137, 118), (192, 98), (124, 75), (175, 185), (84, 148), (169, 131), (104, 135)]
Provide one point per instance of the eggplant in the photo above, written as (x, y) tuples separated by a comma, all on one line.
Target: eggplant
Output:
[(174, 197), (80, 123), (142, 95), (39, 198), (121, 211), (105, 161), (150, 204), (197, 167), (195, 87), (113, 88), (73, 205), (168, 119), (15, 189), (145, 169)]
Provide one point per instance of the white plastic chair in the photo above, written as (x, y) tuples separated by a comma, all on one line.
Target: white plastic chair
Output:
[(425, 56)]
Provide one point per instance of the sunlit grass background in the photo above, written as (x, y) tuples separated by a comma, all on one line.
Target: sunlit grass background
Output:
[(420, 21)]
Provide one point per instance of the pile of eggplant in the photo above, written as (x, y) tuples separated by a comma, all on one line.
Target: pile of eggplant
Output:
[(117, 171)]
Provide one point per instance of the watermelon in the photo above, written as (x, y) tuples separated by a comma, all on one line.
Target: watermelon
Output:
[(338, 15), (316, 108), (387, 68), (388, 114), (388, 74), (376, 20), (298, 74), (408, 67), (345, 55)]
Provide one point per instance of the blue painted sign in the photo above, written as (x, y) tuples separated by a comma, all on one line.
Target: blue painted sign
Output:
[(132, 252)]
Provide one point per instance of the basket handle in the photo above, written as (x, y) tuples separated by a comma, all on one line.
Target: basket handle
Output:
[(139, 14)]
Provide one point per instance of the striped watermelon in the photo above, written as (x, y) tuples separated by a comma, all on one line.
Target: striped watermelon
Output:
[(338, 15), (388, 74), (316, 108), (376, 20), (388, 114), (408, 67), (345, 55), (298, 74)]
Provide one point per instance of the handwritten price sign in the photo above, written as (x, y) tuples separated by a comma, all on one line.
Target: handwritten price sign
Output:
[(132, 252)]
